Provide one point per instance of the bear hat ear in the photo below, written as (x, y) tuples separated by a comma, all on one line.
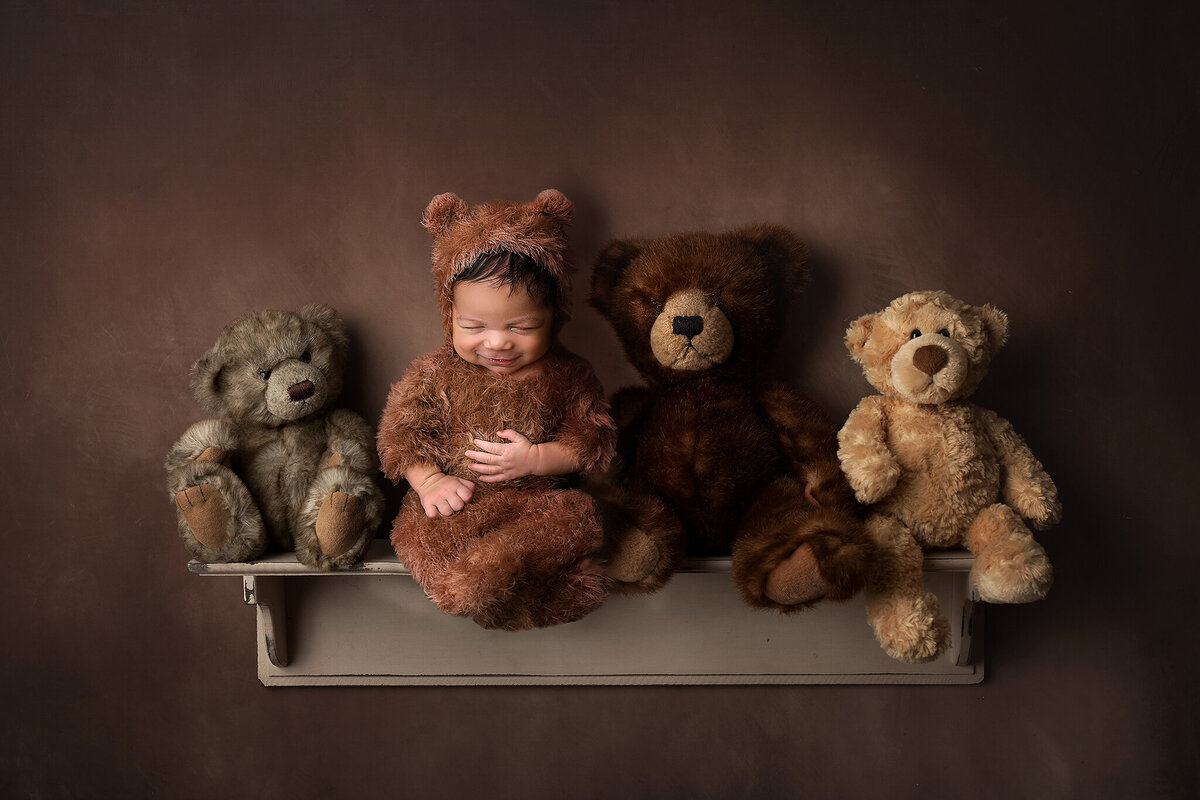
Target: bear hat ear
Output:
[(328, 320), (782, 251), (857, 335), (206, 380), (554, 203), (609, 269), (995, 325), (442, 211)]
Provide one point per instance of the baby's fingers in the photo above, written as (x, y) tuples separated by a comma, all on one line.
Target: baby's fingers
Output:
[(486, 469), (485, 458), (491, 447)]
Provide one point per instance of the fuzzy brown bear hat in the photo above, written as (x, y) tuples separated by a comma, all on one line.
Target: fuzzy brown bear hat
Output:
[(463, 233)]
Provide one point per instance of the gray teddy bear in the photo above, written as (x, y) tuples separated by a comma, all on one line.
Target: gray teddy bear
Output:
[(281, 463)]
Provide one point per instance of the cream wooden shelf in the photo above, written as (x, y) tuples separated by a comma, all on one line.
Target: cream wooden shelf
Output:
[(372, 625)]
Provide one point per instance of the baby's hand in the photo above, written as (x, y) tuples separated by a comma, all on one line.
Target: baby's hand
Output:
[(497, 462), (443, 495)]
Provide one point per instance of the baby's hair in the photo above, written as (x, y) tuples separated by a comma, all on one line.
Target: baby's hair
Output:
[(516, 271)]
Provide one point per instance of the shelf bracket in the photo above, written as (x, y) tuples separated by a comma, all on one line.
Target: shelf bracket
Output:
[(966, 630), (267, 594)]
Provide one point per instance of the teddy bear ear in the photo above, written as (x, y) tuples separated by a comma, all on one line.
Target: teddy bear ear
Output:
[(995, 325), (608, 271), (782, 251), (857, 335), (330, 321), (555, 204), (206, 380), (442, 211)]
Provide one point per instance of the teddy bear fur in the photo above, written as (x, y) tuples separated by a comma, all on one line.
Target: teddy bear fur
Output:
[(521, 553), (280, 466), (714, 456), (939, 470)]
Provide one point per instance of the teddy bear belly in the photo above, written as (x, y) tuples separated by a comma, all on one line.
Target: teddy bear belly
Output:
[(280, 465), (939, 507), (709, 480)]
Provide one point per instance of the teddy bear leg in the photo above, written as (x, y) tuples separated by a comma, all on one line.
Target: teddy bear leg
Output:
[(339, 517), (907, 619), (790, 553), (1010, 566), (556, 577), (644, 540), (218, 520)]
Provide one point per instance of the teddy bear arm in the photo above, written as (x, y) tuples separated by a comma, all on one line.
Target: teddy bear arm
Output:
[(211, 440), (629, 408), (349, 442), (863, 451), (808, 440), (1027, 488), (804, 433)]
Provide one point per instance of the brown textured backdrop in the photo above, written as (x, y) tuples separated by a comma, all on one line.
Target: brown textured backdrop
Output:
[(169, 166)]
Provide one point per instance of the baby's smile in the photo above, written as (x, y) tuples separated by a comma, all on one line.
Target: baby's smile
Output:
[(499, 328)]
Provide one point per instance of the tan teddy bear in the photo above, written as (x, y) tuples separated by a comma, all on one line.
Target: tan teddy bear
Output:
[(940, 470)]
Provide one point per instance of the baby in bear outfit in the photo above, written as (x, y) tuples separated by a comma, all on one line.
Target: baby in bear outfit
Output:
[(490, 428)]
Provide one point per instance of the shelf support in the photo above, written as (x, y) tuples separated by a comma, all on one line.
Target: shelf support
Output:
[(267, 594)]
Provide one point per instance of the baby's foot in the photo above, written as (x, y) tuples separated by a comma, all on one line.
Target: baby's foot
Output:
[(339, 523), (206, 514)]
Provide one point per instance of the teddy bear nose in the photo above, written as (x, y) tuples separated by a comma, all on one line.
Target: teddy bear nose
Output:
[(930, 358), (688, 326), (301, 391)]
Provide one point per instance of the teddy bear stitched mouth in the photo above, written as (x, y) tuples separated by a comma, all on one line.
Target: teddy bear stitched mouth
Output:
[(690, 348)]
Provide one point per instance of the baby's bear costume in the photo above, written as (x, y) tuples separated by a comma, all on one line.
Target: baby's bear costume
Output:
[(281, 462), (519, 555)]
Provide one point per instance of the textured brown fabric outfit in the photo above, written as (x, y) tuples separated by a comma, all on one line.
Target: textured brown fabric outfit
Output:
[(519, 555)]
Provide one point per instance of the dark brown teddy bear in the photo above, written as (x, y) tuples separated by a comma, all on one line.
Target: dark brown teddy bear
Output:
[(714, 457), (281, 462)]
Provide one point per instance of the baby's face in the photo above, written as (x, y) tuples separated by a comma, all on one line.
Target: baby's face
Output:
[(505, 332)]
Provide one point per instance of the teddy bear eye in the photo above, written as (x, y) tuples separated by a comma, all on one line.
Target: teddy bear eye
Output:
[(306, 356), (916, 334), (265, 374), (944, 332)]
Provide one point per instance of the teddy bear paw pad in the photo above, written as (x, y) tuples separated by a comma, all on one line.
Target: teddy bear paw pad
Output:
[(796, 580), (635, 559), (339, 522), (206, 514), (1016, 571)]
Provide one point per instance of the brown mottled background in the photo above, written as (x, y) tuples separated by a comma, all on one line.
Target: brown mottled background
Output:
[(169, 166)]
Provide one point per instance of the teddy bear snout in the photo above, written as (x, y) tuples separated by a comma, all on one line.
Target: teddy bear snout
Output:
[(301, 391), (688, 326), (930, 359), (691, 333)]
